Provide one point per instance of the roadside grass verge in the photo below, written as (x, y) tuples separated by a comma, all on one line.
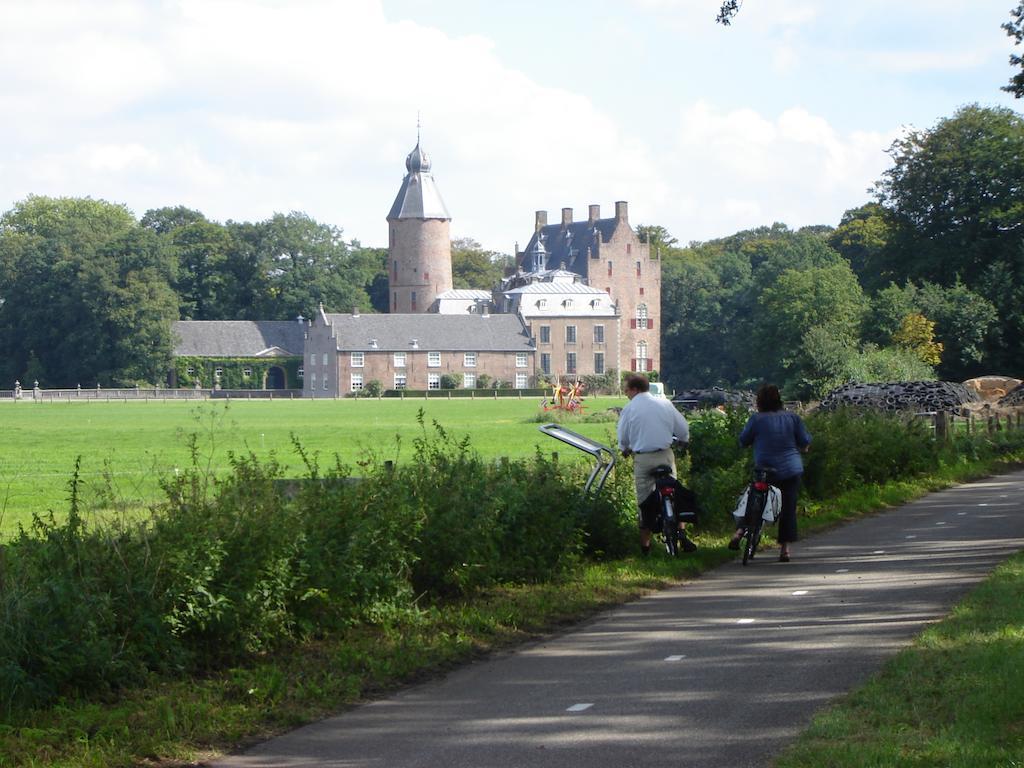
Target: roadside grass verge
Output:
[(952, 699), (170, 723)]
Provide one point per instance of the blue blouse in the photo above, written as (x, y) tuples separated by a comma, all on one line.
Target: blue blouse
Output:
[(777, 437)]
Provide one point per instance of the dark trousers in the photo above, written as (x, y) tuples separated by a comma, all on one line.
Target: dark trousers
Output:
[(790, 488)]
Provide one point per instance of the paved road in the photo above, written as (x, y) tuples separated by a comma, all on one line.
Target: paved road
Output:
[(722, 671)]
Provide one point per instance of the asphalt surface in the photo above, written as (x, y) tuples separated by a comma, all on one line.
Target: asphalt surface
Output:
[(722, 671)]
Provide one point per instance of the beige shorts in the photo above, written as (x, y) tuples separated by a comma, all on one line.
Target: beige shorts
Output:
[(643, 463)]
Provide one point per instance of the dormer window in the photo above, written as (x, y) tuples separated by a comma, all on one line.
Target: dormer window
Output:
[(542, 303), (567, 303)]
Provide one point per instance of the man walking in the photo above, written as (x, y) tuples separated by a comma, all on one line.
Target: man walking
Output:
[(646, 427)]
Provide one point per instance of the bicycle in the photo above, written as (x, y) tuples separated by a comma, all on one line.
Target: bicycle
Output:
[(669, 516), (754, 518)]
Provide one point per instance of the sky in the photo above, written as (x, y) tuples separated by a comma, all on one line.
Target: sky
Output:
[(245, 108)]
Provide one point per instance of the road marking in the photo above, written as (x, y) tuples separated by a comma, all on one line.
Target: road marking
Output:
[(579, 707), (941, 522), (961, 514), (745, 621), (878, 552), (843, 570), (800, 592), (912, 536), (679, 657), (983, 504)]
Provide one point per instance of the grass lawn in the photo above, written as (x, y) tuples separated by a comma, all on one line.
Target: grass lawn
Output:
[(125, 447)]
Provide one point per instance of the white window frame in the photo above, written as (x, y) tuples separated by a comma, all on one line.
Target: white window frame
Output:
[(575, 366), (325, 383), (325, 358), (400, 359), (301, 372), (545, 334), (599, 358), (356, 382), (433, 381), (522, 380), (217, 373), (246, 372), (433, 359), (522, 359), (469, 360), (357, 359), (469, 380), (401, 380), (545, 357), (570, 330), (599, 334)]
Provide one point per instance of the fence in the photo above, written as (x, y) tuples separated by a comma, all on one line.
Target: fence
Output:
[(87, 394), (946, 424)]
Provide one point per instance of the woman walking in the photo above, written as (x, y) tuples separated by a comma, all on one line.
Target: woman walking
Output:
[(778, 437)]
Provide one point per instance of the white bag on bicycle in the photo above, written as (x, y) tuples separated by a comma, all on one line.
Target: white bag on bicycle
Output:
[(772, 507)]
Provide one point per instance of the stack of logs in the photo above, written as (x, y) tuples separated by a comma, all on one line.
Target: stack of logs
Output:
[(902, 396)]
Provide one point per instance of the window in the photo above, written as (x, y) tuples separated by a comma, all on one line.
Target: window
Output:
[(469, 380), (414, 301), (570, 362), (609, 267), (246, 373), (545, 334), (567, 303), (545, 362), (638, 269), (433, 359), (217, 372), (629, 247), (433, 381), (599, 334), (325, 358), (469, 360), (399, 381), (641, 363), (301, 372), (570, 334), (394, 270), (394, 302), (312, 359), (599, 363), (426, 275), (312, 379), (325, 382), (521, 359), (641, 317), (190, 371), (358, 359), (357, 382), (542, 303), (641, 290), (399, 359), (522, 381)]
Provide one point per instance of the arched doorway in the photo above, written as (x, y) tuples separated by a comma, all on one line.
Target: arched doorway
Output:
[(275, 378)]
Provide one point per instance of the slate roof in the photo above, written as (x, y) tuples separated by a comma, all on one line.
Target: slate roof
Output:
[(549, 287), (238, 338), (434, 333), (418, 197), (569, 246)]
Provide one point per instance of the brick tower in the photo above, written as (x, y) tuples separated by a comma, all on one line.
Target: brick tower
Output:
[(419, 245)]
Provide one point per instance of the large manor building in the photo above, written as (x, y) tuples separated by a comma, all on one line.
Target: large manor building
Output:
[(583, 299)]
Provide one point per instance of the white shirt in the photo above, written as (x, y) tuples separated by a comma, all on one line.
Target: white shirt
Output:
[(647, 424)]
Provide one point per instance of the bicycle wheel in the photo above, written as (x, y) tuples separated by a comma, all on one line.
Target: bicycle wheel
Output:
[(753, 539), (669, 528)]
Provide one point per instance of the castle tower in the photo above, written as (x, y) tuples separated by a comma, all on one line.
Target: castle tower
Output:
[(419, 245)]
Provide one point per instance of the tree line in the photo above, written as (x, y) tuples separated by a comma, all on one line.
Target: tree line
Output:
[(88, 292), (924, 280)]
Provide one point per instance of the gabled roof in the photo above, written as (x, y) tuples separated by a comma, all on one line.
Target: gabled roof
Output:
[(238, 338), (463, 294), (431, 332)]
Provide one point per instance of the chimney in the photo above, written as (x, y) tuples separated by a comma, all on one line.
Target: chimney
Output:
[(566, 217), (622, 211), (595, 214), (541, 220)]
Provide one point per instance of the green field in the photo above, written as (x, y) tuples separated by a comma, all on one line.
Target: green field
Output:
[(125, 447)]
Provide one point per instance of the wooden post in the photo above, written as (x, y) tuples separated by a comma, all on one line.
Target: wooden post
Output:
[(991, 426), (941, 425)]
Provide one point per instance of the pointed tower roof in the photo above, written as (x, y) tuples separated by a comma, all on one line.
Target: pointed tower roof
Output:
[(419, 197)]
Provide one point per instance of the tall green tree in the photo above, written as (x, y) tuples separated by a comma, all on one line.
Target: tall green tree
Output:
[(861, 238), (86, 294), (475, 267)]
